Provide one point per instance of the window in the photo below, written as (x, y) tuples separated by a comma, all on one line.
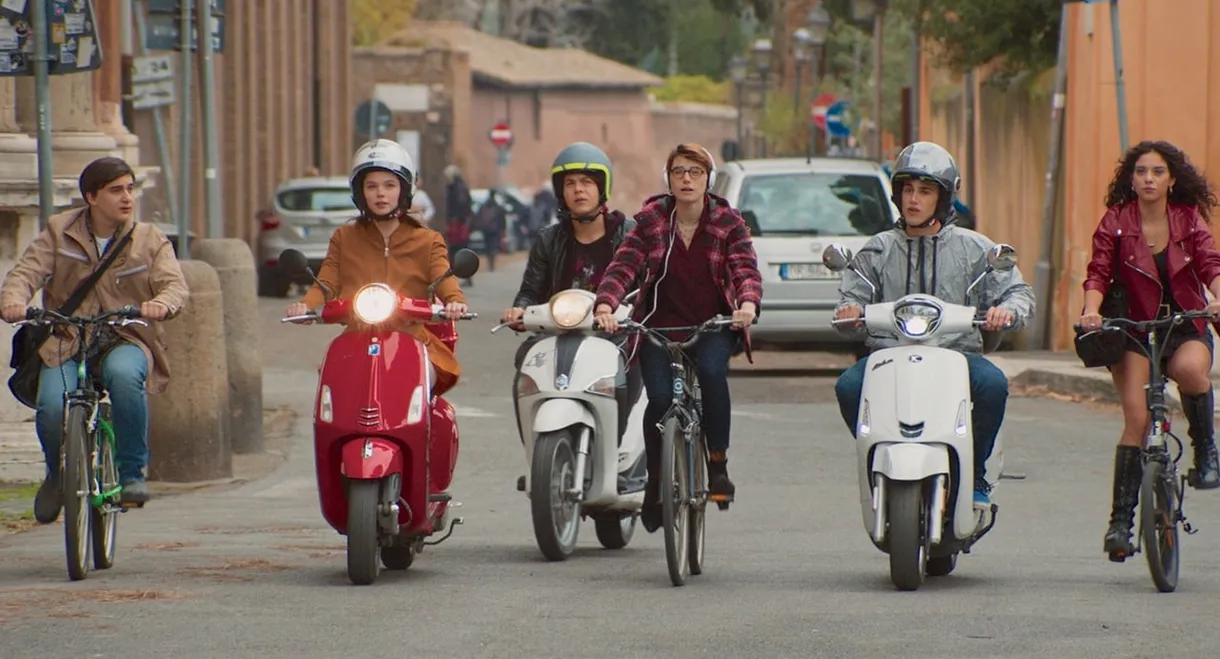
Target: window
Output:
[(321, 200), (815, 204)]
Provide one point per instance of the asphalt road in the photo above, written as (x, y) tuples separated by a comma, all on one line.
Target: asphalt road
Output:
[(255, 572)]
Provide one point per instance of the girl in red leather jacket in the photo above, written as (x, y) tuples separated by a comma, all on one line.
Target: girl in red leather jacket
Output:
[(1158, 219)]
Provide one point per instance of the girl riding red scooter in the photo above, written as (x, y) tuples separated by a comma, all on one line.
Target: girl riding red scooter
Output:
[(385, 442)]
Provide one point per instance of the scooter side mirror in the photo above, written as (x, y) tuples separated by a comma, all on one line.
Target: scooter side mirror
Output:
[(465, 263), (836, 257), (1002, 257), (292, 262)]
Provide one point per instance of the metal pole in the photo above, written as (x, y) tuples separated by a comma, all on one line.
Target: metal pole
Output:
[(916, 70), (970, 168), (813, 82), (762, 114), (740, 118), (372, 118), (878, 69), (796, 85), (42, 101), (184, 131), (167, 170), (211, 181), (125, 26), (1116, 39), (1042, 271)]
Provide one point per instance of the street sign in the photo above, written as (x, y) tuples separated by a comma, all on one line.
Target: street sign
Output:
[(152, 82), (73, 45), (819, 107), (372, 119), (163, 30), (501, 135), (836, 120)]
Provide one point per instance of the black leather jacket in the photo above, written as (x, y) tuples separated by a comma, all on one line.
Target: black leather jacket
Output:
[(548, 255)]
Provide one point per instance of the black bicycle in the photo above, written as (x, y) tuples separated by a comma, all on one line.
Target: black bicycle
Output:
[(88, 470), (1162, 488), (683, 452)]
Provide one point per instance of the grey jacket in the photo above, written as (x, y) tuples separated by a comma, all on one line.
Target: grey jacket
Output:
[(942, 265)]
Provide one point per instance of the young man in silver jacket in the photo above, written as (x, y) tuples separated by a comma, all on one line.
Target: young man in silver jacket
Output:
[(927, 253)]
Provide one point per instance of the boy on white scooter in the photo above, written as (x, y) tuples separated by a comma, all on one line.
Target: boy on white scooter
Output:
[(926, 253)]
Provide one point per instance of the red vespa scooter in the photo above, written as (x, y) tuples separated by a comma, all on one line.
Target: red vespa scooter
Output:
[(384, 448)]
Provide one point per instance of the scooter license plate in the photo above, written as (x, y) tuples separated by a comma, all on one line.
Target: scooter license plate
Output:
[(797, 271)]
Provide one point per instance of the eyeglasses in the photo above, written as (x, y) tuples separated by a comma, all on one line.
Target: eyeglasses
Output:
[(695, 172)]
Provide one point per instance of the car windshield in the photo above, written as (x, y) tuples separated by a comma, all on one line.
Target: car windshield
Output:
[(321, 200), (815, 204)]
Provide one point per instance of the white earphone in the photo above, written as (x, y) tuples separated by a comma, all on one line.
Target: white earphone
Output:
[(711, 175)]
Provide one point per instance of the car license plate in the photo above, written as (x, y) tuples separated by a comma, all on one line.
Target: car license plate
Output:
[(304, 232), (806, 271)]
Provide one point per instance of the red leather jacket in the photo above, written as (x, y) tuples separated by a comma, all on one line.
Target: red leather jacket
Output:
[(1194, 262)]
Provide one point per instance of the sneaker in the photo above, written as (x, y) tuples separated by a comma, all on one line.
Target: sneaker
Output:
[(982, 493), (135, 491), (48, 502), (720, 488)]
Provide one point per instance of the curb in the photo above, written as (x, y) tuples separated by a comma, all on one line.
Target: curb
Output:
[(1090, 388)]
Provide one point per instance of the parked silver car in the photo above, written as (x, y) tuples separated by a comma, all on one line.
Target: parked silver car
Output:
[(304, 213), (795, 208)]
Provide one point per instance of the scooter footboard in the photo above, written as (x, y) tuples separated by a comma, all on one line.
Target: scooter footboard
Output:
[(371, 458), (910, 461)]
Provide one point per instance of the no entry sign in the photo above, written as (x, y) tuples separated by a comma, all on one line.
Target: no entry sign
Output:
[(501, 135)]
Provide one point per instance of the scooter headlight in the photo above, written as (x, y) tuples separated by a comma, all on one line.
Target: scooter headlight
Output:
[(917, 319), (569, 308), (375, 303)]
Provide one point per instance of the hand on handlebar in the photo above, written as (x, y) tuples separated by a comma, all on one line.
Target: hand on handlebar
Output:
[(744, 316), (603, 315), (153, 310), (512, 318), (454, 310), (1213, 308), (1089, 321), (998, 318), (13, 312), (849, 313), (298, 309)]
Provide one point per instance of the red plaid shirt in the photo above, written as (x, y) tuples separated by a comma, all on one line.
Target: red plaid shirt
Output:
[(731, 258)]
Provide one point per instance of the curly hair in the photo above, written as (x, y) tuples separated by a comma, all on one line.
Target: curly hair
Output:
[(1190, 187)]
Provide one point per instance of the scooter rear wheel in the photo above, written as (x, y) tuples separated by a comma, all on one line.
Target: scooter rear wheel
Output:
[(362, 547), (675, 506)]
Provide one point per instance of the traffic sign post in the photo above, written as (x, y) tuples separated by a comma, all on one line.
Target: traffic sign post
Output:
[(836, 120), (502, 137), (819, 107), (372, 119)]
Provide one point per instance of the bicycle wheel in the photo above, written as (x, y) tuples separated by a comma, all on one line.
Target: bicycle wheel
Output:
[(674, 501), (1159, 525), (698, 510), (75, 486), (104, 517)]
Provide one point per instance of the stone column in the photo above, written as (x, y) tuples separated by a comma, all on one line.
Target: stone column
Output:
[(76, 137), (18, 151), (108, 82)]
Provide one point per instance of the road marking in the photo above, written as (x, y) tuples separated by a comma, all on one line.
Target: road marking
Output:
[(462, 411)]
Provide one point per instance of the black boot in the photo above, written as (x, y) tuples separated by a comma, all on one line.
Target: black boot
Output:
[(1200, 414), (1128, 471), (720, 489), (650, 513)]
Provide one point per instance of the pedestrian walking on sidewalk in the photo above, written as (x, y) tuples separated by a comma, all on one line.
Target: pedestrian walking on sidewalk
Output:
[(1157, 228)]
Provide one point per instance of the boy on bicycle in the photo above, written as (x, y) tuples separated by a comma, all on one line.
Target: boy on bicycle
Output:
[(131, 359)]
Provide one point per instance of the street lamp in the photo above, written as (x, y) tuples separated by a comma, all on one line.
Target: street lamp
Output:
[(761, 52), (818, 23), (801, 41), (737, 73)]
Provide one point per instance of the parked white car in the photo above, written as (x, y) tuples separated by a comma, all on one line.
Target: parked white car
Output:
[(795, 208), (304, 212)]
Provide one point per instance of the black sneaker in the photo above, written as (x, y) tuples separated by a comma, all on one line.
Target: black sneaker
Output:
[(720, 488), (650, 513), (48, 502), (135, 492)]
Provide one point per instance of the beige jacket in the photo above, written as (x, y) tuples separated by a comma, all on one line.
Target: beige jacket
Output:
[(64, 254)]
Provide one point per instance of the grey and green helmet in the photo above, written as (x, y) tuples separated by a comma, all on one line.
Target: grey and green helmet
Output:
[(582, 157), (926, 161)]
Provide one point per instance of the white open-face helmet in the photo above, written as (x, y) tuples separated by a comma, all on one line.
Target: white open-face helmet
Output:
[(387, 155)]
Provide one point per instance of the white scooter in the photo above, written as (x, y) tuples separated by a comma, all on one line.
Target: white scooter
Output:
[(914, 439), (568, 395)]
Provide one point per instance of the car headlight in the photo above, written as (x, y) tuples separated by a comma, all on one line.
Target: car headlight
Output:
[(917, 319), (375, 303), (569, 309)]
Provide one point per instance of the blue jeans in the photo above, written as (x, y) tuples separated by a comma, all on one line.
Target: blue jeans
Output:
[(711, 357), (123, 372), (988, 392)]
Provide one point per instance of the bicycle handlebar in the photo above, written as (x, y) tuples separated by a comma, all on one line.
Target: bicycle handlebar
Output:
[(655, 335), (128, 315), (1118, 324)]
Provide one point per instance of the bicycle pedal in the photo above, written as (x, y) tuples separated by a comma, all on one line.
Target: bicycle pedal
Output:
[(128, 505)]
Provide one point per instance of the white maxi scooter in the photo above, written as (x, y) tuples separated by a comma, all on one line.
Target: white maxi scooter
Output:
[(567, 395), (915, 442)]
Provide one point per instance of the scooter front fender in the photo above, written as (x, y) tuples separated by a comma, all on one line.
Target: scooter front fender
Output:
[(371, 458), (910, 461), (559, 413)]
